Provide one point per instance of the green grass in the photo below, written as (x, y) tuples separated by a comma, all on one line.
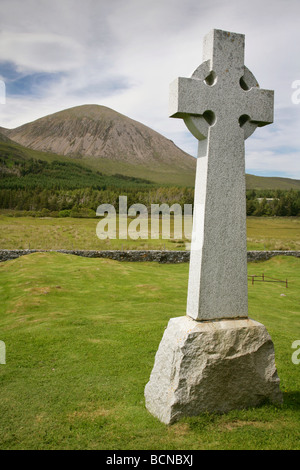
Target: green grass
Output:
[(74, 233), (81, 336), (273, 233), (70, 233)]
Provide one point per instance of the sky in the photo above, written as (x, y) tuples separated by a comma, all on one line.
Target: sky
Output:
[(56, 54)]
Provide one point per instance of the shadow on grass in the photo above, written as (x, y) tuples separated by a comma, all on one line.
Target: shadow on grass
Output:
[(291, 400)]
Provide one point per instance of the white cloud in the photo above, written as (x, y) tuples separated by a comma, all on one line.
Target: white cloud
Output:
[(40, 52), (286, 165), (125, 54)]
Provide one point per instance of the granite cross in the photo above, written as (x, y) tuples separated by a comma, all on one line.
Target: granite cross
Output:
[(222, 105)]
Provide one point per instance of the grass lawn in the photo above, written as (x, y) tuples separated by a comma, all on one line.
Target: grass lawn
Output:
[(273, 233), (280, 233), (81, 335), (69, 233)]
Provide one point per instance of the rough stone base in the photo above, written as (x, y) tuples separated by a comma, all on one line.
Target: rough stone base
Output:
[(214, 366)]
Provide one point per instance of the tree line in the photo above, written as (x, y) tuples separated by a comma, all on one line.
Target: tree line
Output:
[(83, 202), (64, 189), (273, 203), (20, 174)]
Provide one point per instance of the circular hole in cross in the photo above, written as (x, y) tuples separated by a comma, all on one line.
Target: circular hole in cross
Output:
[(209, 117), (243, 84), (211, 79), (243, 119)]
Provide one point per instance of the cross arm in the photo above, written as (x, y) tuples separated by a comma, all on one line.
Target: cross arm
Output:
[(188, 97), (259, 105)]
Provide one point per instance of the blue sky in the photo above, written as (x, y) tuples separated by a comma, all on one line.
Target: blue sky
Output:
[(124, 53)]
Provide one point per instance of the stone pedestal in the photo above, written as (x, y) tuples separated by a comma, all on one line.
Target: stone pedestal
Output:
[(214, 366)]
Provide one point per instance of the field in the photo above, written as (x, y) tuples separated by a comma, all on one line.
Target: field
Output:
[(81, 336), (274, 233)]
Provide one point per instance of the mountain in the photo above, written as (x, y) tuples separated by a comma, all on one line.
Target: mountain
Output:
[(103, 140), (3, 136), (108, 142), (271, 182)]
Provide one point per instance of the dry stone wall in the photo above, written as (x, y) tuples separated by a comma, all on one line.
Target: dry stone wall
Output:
[(139, 255)]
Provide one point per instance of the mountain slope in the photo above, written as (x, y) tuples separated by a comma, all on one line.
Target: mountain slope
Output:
[(104, 140), (271, 182), (109, 139), (3, 136), (24, 168), (16, 160)]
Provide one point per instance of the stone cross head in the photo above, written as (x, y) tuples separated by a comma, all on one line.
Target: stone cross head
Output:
[(222, 91)]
